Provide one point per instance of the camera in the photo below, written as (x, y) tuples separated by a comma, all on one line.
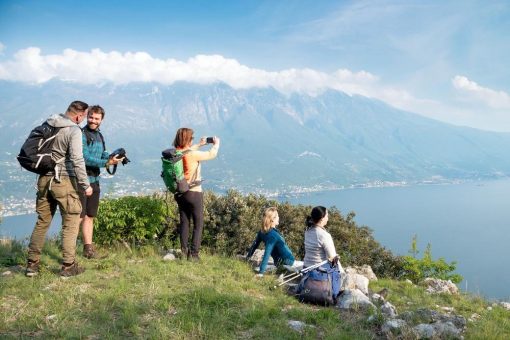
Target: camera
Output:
[(209, 140), (119, 153)]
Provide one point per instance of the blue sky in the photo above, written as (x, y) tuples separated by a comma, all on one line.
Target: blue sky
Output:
[(448, 60)]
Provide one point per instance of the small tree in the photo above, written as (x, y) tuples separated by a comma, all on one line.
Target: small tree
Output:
[(417, 270)]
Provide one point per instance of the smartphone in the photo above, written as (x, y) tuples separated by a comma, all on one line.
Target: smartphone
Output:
[(209, 140)]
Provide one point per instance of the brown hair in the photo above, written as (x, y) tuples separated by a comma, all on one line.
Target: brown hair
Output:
[(317, 214), (269, 216), (77, 107), (183, 138), (96, 109)]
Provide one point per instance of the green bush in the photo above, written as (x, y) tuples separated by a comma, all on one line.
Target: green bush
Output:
[(417, 270), (132, 219), (231, 222)]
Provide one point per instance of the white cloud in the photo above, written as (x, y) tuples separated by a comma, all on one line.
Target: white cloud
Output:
[(2, 48), (30, 65), (492, 98)]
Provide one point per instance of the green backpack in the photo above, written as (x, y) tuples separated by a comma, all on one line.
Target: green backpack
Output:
[(173, 171)]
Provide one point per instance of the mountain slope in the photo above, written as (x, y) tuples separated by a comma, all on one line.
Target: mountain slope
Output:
[(269, 141)]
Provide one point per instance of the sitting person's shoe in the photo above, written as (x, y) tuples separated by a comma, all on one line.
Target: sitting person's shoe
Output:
[(71, 270), (32, 268), (89, 252)]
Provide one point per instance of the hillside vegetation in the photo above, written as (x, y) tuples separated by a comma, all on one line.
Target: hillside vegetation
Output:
[(134, 293), (137, 294)]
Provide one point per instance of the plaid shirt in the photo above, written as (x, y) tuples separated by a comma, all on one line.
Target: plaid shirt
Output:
[(94, 155)]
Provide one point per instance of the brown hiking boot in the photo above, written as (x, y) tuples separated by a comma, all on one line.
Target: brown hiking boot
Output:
[(89, 252), (32, 268), (71, 270)]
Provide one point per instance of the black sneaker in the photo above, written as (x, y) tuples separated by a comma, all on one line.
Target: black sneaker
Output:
[(32, 268), (71, 270)]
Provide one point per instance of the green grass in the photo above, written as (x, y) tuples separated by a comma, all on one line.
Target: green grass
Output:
[(139, 295), (492, 324)]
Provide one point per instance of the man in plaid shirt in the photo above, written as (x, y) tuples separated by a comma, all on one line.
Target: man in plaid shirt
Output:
[(96, 157)]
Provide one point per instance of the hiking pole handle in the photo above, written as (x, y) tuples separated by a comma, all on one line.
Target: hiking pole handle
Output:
[(296, 275), (312, 267)]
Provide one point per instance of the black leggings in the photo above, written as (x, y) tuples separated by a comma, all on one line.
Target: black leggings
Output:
[(191, 205)]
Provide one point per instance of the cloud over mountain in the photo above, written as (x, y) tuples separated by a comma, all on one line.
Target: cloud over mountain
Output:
[(493, 98), (30, 65)]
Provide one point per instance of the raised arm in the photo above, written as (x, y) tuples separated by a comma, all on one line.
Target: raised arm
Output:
[(265, 258), (254, 246)]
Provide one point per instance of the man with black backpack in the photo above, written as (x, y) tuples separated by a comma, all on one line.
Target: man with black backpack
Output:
[(60, 187), (96, 157)]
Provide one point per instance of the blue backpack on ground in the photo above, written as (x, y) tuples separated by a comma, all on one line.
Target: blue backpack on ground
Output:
[(320, 286)]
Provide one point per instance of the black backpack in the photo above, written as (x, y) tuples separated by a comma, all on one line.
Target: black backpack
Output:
[(35, 154)]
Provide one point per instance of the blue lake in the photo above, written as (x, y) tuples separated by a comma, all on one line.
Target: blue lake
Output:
[(467, 223), (21, 226)]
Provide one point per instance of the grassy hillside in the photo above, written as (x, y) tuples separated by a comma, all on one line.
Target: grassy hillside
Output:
[(140, 295)]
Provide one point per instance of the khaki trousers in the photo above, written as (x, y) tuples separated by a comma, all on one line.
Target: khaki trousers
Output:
[(51, 194)]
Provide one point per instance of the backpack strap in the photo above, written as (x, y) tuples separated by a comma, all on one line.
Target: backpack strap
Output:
[(89, 135), (193, 183)]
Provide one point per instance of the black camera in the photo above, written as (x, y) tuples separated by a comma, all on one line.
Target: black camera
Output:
[(119, 153), (209, 140)]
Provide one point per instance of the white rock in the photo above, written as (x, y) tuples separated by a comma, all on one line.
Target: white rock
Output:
[(257, 256), (169, 257), (7, 273), (409, 281), (489, 308), (446, 330), (447, 309), (440, 286), (388, 310), (355, 281), (393, 324), (354, 298), (474, 317), (424, 331), (298, 326), (51, 317), (505, 305), (377, 298), (364, 270)]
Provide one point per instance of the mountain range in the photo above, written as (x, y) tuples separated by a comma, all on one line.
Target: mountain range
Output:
[(270, 141)]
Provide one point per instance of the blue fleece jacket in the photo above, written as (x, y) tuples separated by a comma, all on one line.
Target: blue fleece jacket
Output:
[(94, 154), (275, 247)]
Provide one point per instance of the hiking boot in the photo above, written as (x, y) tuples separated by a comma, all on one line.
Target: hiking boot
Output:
[(89, 252), (32, 268), (71, 270)]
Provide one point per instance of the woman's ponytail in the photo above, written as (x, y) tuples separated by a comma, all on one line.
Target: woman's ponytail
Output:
[(309, 223), (317, 214)]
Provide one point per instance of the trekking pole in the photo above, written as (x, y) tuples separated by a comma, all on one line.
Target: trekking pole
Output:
[(300, 273)]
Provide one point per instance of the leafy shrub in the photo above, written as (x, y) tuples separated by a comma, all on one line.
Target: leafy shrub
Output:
[(417, 270), (231, 222), (132, 219)]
